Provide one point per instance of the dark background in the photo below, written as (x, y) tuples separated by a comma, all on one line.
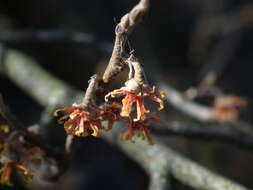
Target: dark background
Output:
[(182, 40)]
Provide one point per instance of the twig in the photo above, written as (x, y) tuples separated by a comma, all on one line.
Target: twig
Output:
[(122, 30), (90, 93), (51, 94)]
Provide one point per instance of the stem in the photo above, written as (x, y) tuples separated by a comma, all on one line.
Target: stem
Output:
[(122, 30), (139, 75), (90, 94)]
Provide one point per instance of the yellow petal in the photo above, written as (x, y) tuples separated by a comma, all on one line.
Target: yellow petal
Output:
[(113, 94), (163, 94), (5, 128), (158, 100)]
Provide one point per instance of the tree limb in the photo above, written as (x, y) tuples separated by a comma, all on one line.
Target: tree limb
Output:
[(53, 36), (208, 132)]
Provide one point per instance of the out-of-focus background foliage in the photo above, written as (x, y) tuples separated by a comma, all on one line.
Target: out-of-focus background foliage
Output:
[(180, 40)]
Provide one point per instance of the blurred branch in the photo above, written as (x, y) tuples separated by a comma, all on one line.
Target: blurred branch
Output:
[(53, 36), (158, 160), (209, 132), (50, 94), (175, 98)]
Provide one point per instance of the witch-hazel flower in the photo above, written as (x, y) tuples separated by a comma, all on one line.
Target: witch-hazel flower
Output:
[(136, 89), (83, 119), (141, 129), (86, 118)]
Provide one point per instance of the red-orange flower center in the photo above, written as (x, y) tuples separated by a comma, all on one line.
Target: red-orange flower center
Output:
[(138, 98), (80, 122)]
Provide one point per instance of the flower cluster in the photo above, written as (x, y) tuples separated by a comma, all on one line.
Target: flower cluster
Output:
[(225, 108), (81, 121), (137, 97), (141, 128), (16, 156), (84, 120)]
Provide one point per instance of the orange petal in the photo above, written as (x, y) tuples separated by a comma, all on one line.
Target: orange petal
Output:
[(74, 114), (80, 130), (95, 131), (158, 100), (25, 172), (141, 110), (127, 105), (56, 113), (5, 173), (63, 119), (163, 94), (113, 94)]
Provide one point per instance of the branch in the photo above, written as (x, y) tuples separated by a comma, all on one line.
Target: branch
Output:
[(208, 132), (158, 160), (16, 64), (122, 30), (52, 36), (197, 111)]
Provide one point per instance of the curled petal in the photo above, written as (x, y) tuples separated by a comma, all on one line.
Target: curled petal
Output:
[(56, 112), (113, 94), (74, 114), (24, 172), (95, 131), (158, 100), (63, 119), (163, 94)]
